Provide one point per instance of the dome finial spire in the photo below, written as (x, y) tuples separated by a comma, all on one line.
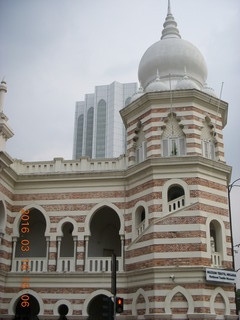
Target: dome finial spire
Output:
[(170, 29), (169, 7)]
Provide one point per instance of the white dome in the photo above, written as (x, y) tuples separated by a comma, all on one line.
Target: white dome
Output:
[(186, 83), (171, 56), (209, 91), (156, 85), (137, 94)]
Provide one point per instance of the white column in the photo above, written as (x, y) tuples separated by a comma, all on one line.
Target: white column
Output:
[(59, 240), (75, 239), (122, 254), (47, 254), (86, 268), (14, 239)]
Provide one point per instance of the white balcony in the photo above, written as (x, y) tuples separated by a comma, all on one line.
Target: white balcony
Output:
[(101, 264), (176, 204), (216, 259), (66, 264), (29, 264)]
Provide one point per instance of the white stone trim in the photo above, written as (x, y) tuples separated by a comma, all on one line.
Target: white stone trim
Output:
[(220, 291), (223, 236), (63, 301), (134, 303), (12, 305), (64, 220), (185, 293), (18, 219)]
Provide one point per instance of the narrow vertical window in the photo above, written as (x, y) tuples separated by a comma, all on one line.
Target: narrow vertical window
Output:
[(101, 129), (89, 132), (79, 136)]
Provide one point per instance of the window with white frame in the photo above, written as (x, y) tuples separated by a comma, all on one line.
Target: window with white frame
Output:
[(174, 146), (208, 149), (141, 152), (140, 219), (216, 243)]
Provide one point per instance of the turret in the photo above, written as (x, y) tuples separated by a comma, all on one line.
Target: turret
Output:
[(3, 91), (5, 131)]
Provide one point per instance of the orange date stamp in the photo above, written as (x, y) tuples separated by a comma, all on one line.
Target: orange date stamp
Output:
[(25, 247)]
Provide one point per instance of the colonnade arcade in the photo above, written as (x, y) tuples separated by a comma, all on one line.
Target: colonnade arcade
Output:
[(60, 250)]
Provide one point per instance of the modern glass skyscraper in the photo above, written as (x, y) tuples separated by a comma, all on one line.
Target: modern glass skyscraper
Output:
[(99, 131)]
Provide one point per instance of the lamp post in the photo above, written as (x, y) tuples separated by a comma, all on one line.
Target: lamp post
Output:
[(230, 186)]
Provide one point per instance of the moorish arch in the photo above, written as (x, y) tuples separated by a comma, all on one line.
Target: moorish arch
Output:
[(14, 302), (222, 293), (170, 183), (221, 234), (31, 207), (135, 220), (137, 294), (36, 240), (98, 206), (67, 220), (90, 297), (63, 302), (104, 239), (185, 293)]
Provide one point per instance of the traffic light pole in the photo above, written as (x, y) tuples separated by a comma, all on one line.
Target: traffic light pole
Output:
[(114, 283), (114, 310)]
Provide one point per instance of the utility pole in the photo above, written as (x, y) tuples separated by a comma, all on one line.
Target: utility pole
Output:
[(114, 283)]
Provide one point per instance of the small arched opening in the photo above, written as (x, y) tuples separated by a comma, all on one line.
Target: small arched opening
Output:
[(216, 243), (176, 197), (67, 243), (140, 217), (96, 309), (27, 308)]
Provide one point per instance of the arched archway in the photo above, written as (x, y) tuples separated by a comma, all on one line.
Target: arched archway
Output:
[(95, 307), (104, 228), (30, 247), (28, 310), (103, 241), (33, 230), (67, 243)]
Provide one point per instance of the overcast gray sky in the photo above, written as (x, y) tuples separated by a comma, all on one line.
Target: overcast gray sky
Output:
[(52, 52)]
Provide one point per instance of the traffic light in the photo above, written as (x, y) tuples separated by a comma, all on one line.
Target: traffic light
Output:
[(119, 305), (107, 308)]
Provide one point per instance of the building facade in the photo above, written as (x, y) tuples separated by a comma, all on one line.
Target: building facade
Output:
[(98, 129), (162, 208)]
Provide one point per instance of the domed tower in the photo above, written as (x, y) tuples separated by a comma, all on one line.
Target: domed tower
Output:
[(177, 173)]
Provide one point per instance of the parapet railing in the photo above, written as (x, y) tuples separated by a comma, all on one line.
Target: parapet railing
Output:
[(59, 165)]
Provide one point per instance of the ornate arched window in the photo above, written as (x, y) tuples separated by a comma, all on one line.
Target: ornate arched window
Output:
[(208, 139), (176, 197), (173, 138)]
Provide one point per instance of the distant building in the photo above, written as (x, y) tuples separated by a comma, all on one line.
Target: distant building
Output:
[(99, 131)]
